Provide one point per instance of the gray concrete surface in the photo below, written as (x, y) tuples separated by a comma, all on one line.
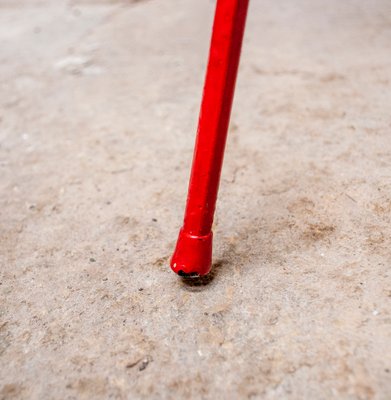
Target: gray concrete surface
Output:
[(98, 111)]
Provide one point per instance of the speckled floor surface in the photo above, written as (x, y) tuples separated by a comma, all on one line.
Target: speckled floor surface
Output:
[(98, 111)]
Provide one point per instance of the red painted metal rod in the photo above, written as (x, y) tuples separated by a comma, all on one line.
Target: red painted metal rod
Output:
[(193, 252)]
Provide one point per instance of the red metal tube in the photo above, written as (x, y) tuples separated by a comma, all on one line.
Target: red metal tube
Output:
[(193, 252)]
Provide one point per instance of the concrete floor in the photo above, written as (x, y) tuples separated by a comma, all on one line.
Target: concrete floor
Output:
[(98, 112)]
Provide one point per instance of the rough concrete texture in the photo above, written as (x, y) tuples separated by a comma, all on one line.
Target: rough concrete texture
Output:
[(98, 112)]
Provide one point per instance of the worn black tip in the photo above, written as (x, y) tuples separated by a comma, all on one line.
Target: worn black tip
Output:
[(190, 275)]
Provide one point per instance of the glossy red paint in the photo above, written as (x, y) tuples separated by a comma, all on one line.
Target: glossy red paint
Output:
[(193, 252)]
